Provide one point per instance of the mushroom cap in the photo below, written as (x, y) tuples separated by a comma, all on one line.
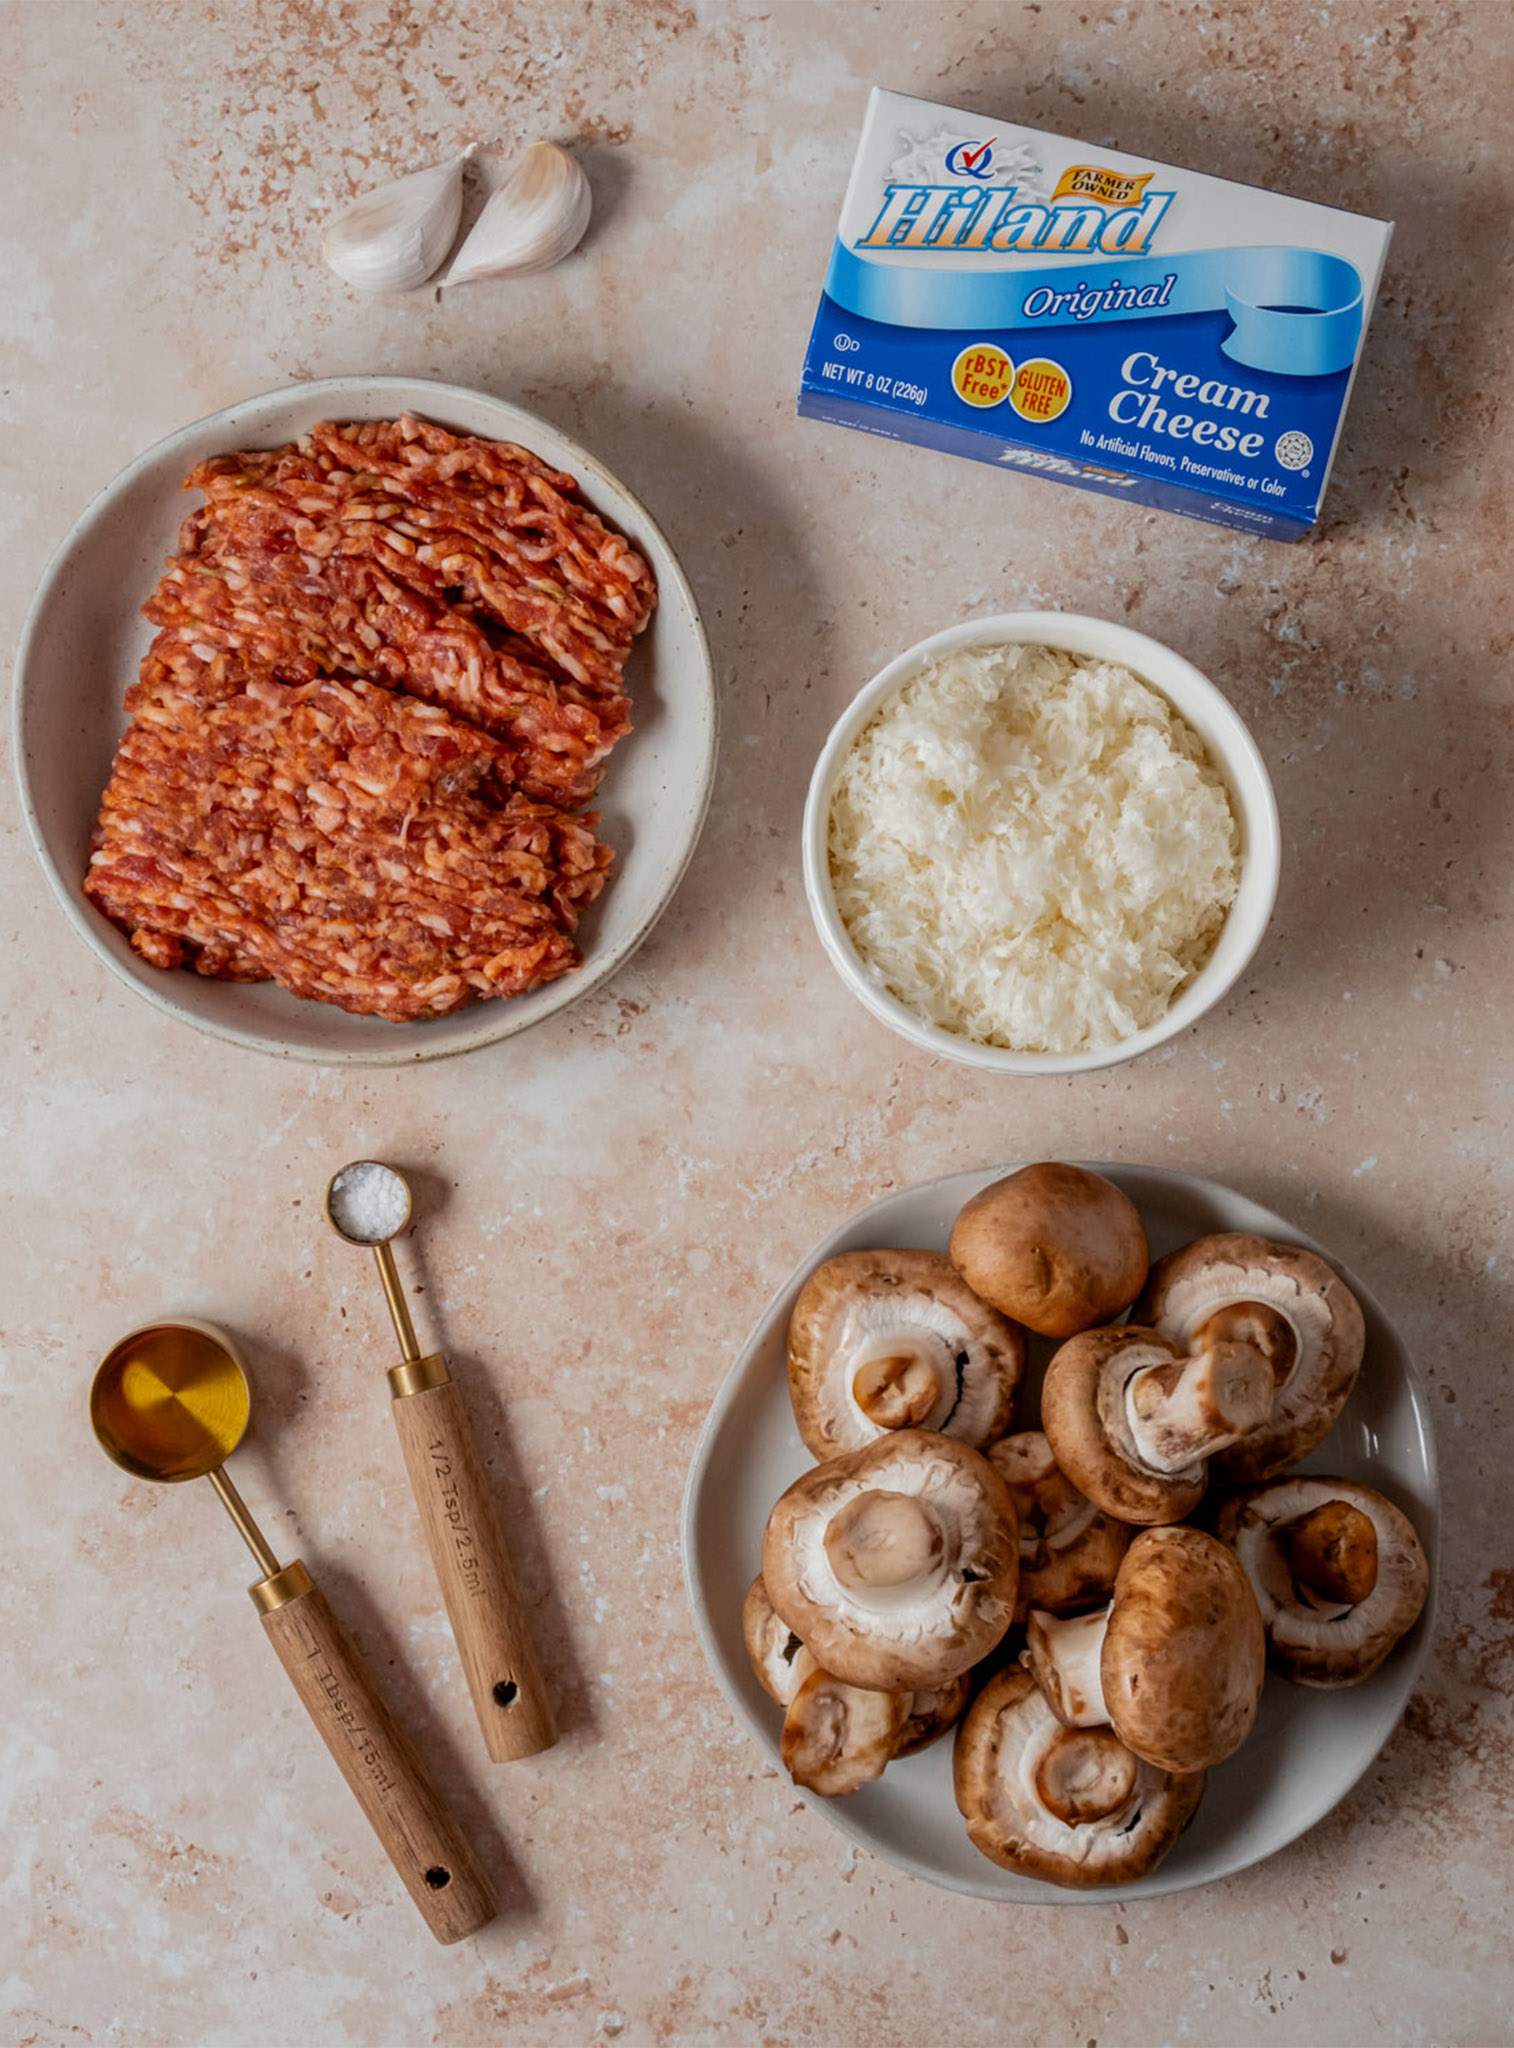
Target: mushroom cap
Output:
[(940, 1357), (1056, 1247), (1189, 1286), (1322, 1643), (837, 1738), (778, 1657), (1011, 1748), (895, 1565), (932, 1713), (1185, 1654), (1083, 1415), (1070, 1550)]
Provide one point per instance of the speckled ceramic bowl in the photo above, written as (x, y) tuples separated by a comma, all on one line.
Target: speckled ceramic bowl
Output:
[(1212, 717), (85, 635)]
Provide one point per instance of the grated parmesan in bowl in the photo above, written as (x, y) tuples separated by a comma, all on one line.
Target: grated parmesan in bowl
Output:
[(1034, 855)]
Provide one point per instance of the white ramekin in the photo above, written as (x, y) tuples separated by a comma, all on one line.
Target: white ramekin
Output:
[(1211, 716)]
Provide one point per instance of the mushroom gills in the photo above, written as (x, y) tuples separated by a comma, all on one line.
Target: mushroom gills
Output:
[(1073, 1807), (887, 1340), (1338, 1572), (906, 1358), (897, 1564)]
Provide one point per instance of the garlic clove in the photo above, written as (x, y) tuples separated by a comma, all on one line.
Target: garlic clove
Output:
[(395, 236), (537, 217)]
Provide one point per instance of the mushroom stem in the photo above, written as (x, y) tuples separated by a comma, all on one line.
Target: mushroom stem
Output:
[(1063, 1656), (1332, 1552), (896, 1391), (1086, 1774), (881, 1541), (1186, 1411), (1255, 1323)]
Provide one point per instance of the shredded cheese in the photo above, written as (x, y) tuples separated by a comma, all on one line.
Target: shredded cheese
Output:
[(1031, 849)]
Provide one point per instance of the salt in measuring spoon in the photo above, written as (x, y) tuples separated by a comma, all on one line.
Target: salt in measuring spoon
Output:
[(170, 1401), (368, 1203)]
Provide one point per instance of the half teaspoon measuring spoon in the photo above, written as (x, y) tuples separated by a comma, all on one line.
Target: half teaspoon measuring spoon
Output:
[(170, 1401), (368, 1203)]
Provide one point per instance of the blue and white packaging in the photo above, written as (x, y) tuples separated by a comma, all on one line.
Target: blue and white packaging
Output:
[(1114, 323)]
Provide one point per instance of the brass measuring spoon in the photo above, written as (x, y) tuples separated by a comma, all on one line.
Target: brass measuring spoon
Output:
[(368, 1203), (170, 1401)]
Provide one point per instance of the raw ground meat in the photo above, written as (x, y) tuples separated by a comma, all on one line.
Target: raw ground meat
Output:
[(355, 845), (389, 662)]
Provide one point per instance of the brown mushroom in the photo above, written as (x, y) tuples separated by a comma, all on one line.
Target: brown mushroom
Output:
[(782, 1663), (931, 1714), (895, 1565), (1069, 1549), (1278, 1299), (1132, 1422), (1072, 1806), (1056, 1247), (1338, 1572), (778, 1657), (837, 1738), (885, 1340), (1174, 1664)]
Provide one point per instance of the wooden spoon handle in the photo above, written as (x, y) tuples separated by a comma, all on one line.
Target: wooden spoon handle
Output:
[(467, 1547), (419, 1835)]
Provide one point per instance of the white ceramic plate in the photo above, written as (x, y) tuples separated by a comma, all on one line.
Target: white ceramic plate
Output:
[(1308, 1748), (85, 635)]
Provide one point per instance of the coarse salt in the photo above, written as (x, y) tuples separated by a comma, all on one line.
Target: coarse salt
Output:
[(368, 1202)]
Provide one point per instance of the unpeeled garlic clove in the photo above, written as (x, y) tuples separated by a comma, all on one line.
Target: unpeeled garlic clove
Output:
[(395, 236), (537, 217)]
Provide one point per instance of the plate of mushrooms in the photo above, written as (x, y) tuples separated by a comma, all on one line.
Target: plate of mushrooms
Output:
[(1067, 1532)]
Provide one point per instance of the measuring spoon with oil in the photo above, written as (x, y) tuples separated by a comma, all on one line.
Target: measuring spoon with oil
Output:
[(169, 1402)]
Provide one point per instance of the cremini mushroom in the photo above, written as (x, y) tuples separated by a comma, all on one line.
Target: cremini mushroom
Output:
[(885, 1340), (1282, 1301), (932, 1713), (1132, 1421), (1069, 1549), (1174, 1664), (837, 1738), (1072, 1806), (1056, 1247), (1338, 1573), (895, 1565), (778, 1657), (782, 1663)]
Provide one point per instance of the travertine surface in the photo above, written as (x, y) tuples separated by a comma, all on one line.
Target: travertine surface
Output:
[(611, 1199)]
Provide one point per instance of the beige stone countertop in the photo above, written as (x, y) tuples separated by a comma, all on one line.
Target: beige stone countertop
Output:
[(612, 1198)]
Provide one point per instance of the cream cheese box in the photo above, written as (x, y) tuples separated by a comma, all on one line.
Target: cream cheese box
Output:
[(1102, 319)]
